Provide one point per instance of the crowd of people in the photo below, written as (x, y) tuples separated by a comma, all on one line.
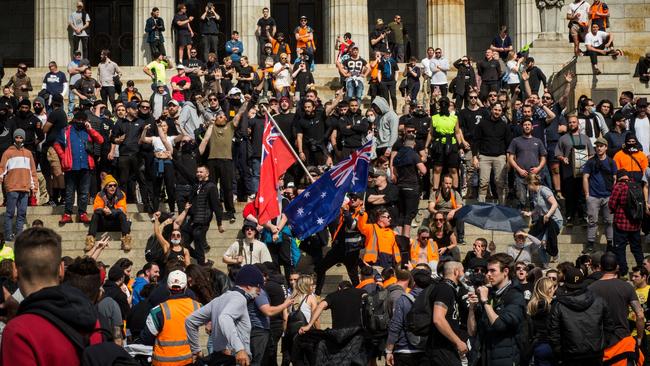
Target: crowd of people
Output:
[(192, 146)]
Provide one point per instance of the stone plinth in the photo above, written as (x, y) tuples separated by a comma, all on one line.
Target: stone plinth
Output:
[(245, 14), (345, 16), (446, 27), (51, 42), (142, 12)]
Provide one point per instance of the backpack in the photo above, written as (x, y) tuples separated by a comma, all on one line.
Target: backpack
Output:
[(374, 315), (420, 318), (100, 354), (417, 341), (635, 201), (296, 319), (525, 341), (153, 251)]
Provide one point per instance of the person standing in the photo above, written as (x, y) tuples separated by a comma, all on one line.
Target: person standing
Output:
[(502, 43), (396, 42), (181, 84), (77, 164), (79, 21), (496, 314), (155, 29), (86, 87), (18, 177), (599, 14), (489, 70), (20, 83), (597, 182), (626, 228), (210, 31), (55, 83), (266, 27), (305, 37), (526, 154), (388, 69), (75, 69), (465, 82), (578, 17), (439, 66), (640, 124), (184, 32), (639, 277), (107, 71), (536, 76)]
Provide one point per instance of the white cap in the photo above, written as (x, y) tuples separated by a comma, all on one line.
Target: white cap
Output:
[(177, 279), (180, 67), (234, 91)]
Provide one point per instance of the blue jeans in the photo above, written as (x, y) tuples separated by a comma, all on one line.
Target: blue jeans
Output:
[(71, 98), (15, 200), (77, 181), (621, 239), (254, 165), (543, 355), (354, 89)]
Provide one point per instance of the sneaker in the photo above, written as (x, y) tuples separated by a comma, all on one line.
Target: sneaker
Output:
[(206, 248), (90, 243), (11, 237), (588, 249), (208, 263), (126, 243), (65, 219), (83, 217)]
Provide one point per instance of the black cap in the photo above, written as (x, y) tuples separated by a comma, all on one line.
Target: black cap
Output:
[(642, 102), (573, 278), (608, 262), (618, 116), (57, 98), (81, 116), (629, 136), (249, 223), (478, 263)]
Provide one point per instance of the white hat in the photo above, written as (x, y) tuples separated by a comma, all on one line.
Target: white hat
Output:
[(234, 91), (177, 279), (180, 67)]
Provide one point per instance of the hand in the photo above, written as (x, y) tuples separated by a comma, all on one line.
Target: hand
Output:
[(565, 160), (475, 162), (103, 242), (156, 215), (526, 213), (190, 18), (10, 305), (196, 356), (120, 139), (390, 359), (107, 211), (522, 172), (304, 329), (240, 259), (461, 347), (482, 293), (466, 145), (221, 230), (111, 156), (525, 76), (147, 127), (88, 126), (535, 170), (545, 218), (241, 358), (442, 250), (302, 156), (472, 298)]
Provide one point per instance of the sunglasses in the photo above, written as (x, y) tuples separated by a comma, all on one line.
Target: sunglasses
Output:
[(425, 237), (519, 268), (176, 235), (385, 216), (145, 107), (249, 229), (492, 95), (111, 185), (473, 97), (439, 220), (546, 97), (212, 99)]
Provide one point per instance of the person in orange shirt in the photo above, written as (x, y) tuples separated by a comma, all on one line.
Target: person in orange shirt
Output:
[(424, 250), (599, 14), (367, 280), (305, 36), (280, 45), (381, 248), (109, 213), (374, 76), (632, 158)]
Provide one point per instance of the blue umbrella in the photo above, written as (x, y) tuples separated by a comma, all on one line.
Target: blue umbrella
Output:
[(492, 217)]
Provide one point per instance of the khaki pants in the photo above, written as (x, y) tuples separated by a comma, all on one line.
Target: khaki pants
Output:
[(496, 164), (43, 197)]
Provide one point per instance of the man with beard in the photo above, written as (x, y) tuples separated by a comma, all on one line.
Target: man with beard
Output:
[(77, 164), (347, 243), (86, 87), (539, 114), (57, 120), (468, 118), (194, 69), (351, 130), (126, 136), (526, 155), (107, 71), (419, 119), (571, 144), (100, 152), (310, 136), (20, 82), (590, 122), (146, 157)]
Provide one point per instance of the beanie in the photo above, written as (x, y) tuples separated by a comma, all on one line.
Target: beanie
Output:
[(25, 102), (108, 179), (19, 132), (249, 275)]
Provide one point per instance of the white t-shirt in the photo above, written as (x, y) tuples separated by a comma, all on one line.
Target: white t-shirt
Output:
[(158, 145), (439, 77), (596, 40), (75, 18), (642, 129), (283, 79), (581, 7), (513, 76)]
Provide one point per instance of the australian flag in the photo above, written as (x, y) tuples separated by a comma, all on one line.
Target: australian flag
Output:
[(321, 202)]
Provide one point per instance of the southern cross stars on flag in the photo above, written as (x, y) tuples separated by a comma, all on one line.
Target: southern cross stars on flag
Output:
[(321, 202)]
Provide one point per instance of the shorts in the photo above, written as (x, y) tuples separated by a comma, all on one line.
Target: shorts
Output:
[(449, 160), (55, 163), (183, 39), (550, 153)]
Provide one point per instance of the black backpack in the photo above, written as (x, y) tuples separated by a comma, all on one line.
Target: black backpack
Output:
[(153, 252), (295, 320), (420, 318), (374, 314), (635, 201), (417, 341), (100, 354), (525, 341)]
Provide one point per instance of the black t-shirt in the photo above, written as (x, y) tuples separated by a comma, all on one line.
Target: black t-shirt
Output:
[(263, 23), (195, 80), (391, 196), (256, 126), (406, 162), (312, 129), (59, 121), (132, 131), (618, 296), (382, 45), (285, 121), (445, 295), (345, 306), (355, 67), (246, 71), (185, 29), (86, 86), (276, 290), (468, 120)]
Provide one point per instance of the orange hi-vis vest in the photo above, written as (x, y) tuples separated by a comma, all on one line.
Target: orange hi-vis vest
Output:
[(452, 196), (599, 8), (378, 241), (620, 353), (171, 347), (431, 248)]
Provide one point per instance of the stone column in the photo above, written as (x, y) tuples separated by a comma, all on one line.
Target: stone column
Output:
[(527, 26), (245, 14), (345, 16), (142, 12), (446, 27), (51, 42)]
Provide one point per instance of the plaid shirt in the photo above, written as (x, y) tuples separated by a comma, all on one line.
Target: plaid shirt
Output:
[(617, 205)]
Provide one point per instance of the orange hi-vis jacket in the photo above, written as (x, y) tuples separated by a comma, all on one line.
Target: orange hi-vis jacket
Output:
[(599, 8), (381, 247), (171, 347), (620, 353), (431, 248)]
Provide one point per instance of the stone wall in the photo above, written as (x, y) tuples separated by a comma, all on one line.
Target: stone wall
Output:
[(17, 37), (630, 25), (483, 20)]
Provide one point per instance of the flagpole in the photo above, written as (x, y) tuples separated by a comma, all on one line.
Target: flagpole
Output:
[(288, 143)]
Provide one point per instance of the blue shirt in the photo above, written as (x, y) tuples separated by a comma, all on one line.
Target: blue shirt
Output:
[(54, 82), (258, 319), (78, 139), (235, 57), (597, 169)]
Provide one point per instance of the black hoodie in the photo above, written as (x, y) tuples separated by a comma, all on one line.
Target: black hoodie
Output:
[(578, 325)]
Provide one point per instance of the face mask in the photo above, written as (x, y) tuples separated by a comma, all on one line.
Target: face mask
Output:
[(252, 294), (38, 109), (371, 119), (631, 148), (176, 241)]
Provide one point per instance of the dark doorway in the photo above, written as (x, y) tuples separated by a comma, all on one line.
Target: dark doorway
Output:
[(196, 8), (413, 18), (111, 28), (287, 13)]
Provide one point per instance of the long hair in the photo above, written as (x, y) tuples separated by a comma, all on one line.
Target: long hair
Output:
[(303, 287), (201, 284), (542, 295), (446, 227)]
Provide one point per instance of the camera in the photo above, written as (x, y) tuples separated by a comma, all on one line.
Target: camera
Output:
[(475, 279)]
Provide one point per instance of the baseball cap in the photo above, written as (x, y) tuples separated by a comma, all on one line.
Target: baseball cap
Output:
[(303, 17), (132, 105), (249, 223), (602, 141), (174, 102), (380, 21), (573, 278), (234, 91), (177, 279), (180, 67)]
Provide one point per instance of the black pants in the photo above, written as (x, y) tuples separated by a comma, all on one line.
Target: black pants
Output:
[(108, 94), (221, 171), (259, 339), (408, 359), (389, 93), (271, 353), (157, 46), (575, 202), (595, 361), (195, 233), (112, 222), (168, 177), (443, 357), (487, 87), (593, 56), (182, 192), (84, 45), (335, 256), (129, 168), (374, 89), (210, 43)]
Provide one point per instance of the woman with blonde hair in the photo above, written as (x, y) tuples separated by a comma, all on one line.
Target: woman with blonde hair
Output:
[(547, 220), (304, 305), (539, 309)]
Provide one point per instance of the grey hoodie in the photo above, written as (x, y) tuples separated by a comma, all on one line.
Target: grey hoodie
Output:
[(386, 124), (189, 120)]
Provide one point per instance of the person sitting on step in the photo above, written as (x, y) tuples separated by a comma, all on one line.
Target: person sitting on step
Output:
[(109, 214)]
